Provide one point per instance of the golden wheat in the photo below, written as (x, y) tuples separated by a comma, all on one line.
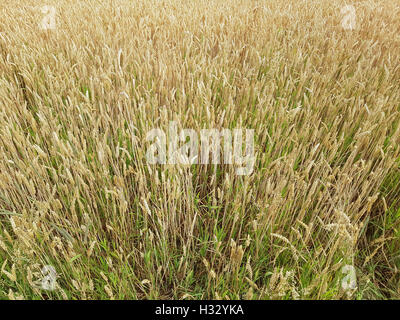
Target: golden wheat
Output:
[(77, 193)]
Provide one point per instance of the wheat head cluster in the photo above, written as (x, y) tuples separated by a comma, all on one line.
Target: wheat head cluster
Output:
[(76, 191)]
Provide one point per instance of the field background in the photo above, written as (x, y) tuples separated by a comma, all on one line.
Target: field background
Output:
[(76, 192)]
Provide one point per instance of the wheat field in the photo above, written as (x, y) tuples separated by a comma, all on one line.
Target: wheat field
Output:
[(79, 200)]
